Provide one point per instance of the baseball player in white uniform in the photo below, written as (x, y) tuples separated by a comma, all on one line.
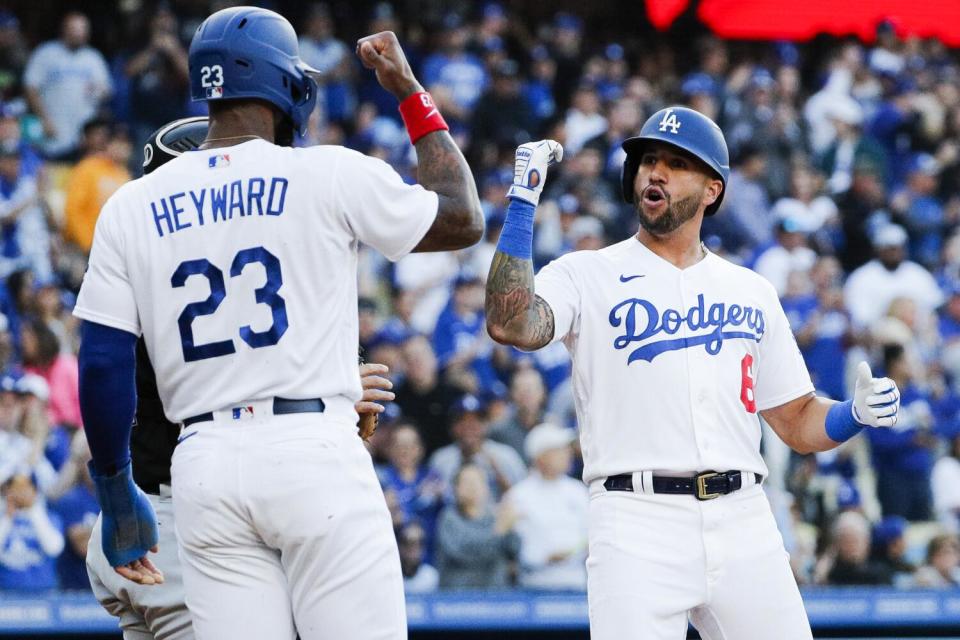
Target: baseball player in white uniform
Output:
[(237, 264), (675, 352), (146, 612)]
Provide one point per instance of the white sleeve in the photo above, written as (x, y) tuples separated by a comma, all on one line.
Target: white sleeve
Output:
[(943, 481), (857, 298), (106, 295), (933, 295), (35, 73), (102, 73), (781, 374), (383, 211), (48, 534), (557, 286)]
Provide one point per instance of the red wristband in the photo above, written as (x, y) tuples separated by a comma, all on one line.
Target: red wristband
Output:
[(421, 116)]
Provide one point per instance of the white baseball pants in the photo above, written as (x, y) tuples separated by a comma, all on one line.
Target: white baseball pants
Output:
[(656, 560), (154, 612), (283, 528)]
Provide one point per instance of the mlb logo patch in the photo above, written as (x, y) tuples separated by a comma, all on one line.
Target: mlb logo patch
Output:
[(214, 92), (215, 162), (243, 413)]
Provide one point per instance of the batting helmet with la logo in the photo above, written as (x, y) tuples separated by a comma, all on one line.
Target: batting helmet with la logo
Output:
[(669, 120), (687, 130)]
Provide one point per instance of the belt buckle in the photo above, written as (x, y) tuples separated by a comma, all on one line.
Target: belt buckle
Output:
[(702, 485)]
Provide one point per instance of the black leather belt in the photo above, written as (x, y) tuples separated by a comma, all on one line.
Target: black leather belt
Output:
[(704, 486), (281, 406)]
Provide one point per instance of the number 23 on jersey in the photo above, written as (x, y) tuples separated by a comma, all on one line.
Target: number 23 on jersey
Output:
[(268, 294)]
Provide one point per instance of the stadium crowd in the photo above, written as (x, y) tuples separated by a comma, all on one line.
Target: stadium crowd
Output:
[(845, 194)]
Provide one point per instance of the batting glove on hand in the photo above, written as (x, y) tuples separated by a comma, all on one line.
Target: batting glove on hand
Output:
[(876, 401), (530, 169)]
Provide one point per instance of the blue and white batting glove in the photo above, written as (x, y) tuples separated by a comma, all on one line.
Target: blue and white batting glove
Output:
[(129, 522), (876, 401), (530, 169)]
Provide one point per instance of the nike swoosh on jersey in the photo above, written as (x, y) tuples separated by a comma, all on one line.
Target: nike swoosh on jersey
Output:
[(189, 435), (624, 278)]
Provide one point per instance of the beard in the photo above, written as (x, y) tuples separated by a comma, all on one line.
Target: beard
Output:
[(673, 217)]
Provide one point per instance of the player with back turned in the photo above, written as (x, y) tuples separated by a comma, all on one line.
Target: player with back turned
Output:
[(675, 352), (237, 263), (146, 611)]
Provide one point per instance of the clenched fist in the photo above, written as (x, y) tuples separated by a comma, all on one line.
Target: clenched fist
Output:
[(530, 169), (382, 53)]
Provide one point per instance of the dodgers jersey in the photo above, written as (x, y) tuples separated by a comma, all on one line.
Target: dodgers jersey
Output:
[(238, 266), (670, 366)]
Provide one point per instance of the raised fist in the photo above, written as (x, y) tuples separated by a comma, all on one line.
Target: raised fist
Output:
[(382, 53), (530, 169)]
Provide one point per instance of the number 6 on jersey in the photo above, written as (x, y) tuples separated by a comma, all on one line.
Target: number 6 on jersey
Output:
[(746, 384)]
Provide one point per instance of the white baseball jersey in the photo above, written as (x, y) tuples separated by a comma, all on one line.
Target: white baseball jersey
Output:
[(670, 366), (238, 265)]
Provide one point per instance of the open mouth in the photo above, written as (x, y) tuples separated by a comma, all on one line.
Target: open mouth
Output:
[(654, 196)]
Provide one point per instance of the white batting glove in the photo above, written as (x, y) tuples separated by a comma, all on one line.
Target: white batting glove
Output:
[(530, 169), (876, 401)]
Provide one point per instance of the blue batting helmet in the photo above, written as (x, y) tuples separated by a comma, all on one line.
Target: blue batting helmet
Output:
[(248, 52), (687, 130)]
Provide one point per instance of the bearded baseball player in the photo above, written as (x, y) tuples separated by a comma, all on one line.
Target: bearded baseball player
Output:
[(675, 351), (237, 264), (145, 612)]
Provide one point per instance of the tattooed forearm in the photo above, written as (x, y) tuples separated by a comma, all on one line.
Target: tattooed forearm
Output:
[(515, 313), (443, 170), (509, 289)]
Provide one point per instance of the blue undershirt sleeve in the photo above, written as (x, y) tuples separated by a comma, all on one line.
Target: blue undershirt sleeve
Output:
[(108, 393)]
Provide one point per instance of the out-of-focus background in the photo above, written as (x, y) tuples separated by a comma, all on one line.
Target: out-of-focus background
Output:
[(842, 121)]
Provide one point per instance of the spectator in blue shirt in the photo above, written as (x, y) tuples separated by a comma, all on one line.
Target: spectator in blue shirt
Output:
[(321, 50), (77, 509), (822, 327), (701, 93), (24, 233), (418, 491), (889, 548), (65, 82), (463, 348), (921, 210), (453, 68), (30, 538), (157, 76), (893, 124), (903, 455), (538, 90), (11, 133), (745, 220)]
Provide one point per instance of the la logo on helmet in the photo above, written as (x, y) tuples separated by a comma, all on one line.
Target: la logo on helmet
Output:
[(669, 120)]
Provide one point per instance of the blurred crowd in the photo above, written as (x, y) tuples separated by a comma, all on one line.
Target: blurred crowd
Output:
[(843, 193)]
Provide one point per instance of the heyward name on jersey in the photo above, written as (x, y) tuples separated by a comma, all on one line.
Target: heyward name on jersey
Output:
[(239, 198)]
